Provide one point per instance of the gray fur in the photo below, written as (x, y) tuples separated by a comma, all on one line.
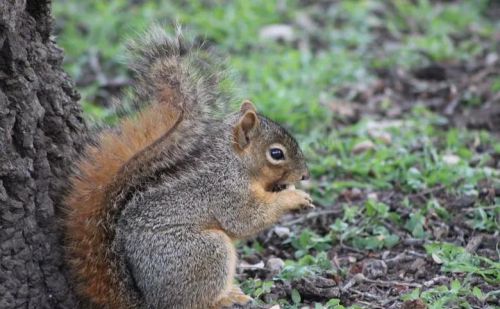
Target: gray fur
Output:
[(160, 60), (159, 229), (166, 234)]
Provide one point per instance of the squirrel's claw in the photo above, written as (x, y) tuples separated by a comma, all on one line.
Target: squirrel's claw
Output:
[(311, 205), (234, 297), (297, 199)]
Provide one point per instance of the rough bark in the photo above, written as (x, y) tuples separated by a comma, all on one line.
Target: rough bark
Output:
[(41, 133)]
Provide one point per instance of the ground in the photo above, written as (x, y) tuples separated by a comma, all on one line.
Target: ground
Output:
[(397, 107)]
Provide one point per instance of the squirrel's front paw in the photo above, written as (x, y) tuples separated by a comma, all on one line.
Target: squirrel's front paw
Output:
[(296, 199)]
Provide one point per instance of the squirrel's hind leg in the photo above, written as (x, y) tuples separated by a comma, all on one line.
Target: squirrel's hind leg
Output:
[(232, 294), (180, 268)]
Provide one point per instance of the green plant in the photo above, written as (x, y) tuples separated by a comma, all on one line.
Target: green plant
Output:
[(456, 259), (307, 240), (256, 287), (457, 295), (307, 265)]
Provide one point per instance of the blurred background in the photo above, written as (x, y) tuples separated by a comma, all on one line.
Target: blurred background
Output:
[(397, 107)]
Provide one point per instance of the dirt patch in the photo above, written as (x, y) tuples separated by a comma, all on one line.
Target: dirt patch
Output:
[(375, 279)]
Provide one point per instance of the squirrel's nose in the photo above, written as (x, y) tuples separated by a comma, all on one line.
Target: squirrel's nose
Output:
[(306, 176)]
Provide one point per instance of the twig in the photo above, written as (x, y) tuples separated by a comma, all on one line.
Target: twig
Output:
[(365, 294), (392, 229), (490, 102), (390, 300), (471, 209), (435, 280), (393, 283), (370, 305), (414, 241), (352, 249), (450, 108), (474, 243), (428, 191), (386, 283), (401, 257), (355, 279), (414, 253), (481, 75), (313, 215)]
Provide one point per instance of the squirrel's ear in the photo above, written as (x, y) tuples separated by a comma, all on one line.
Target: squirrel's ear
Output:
[(246, 106), (246, 126)]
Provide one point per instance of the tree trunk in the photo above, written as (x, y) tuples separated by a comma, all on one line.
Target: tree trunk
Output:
[(41, 133)]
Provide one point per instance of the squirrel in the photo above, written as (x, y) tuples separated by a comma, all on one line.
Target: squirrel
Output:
[(156, 204)]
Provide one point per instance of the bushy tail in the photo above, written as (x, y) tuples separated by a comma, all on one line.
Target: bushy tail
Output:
[(162, 63), (178, 88)]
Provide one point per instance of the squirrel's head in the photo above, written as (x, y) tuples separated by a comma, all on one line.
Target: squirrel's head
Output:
[(269, 152)]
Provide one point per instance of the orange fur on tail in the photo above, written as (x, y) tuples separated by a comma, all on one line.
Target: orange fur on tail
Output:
[(88, 238)]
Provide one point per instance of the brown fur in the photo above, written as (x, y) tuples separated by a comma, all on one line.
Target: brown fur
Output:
[(86, 210), (231, 266)]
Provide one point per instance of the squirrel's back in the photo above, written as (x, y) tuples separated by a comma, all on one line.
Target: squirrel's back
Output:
[(178, 89)]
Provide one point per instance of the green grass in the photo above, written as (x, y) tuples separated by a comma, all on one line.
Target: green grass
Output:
[(281, 78), (457, 259), (398, 164), (454, 295), (295, 83)]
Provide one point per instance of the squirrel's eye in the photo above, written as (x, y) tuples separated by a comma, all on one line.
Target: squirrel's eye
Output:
[(276, 154)]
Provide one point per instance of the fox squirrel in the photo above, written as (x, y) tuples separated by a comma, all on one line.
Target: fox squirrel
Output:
[(155, 205)]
